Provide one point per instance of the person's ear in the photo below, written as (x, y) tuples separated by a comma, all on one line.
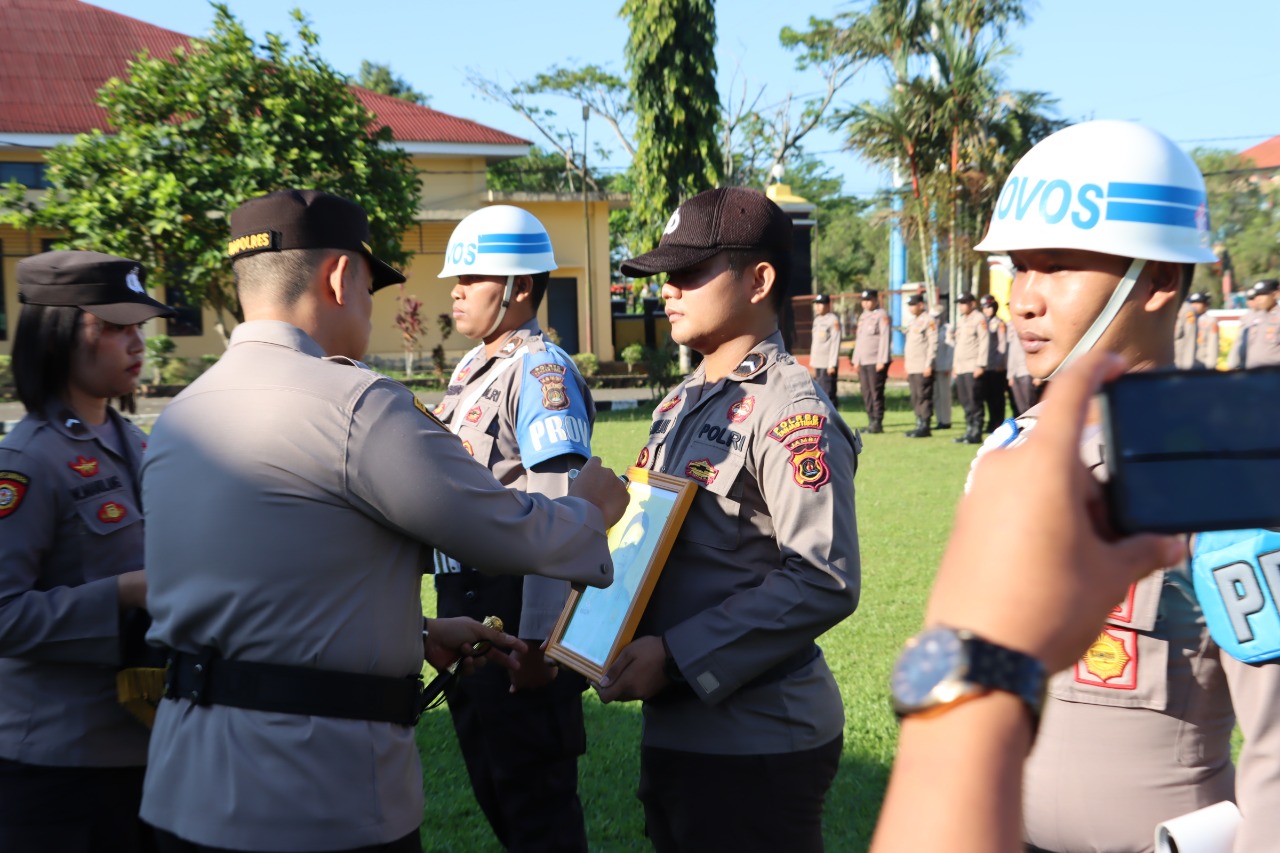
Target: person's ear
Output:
[(336, 273), (763, 279), (523, 289), (1164, 283)]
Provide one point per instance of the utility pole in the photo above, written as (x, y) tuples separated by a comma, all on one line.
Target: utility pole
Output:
[(586, 224)]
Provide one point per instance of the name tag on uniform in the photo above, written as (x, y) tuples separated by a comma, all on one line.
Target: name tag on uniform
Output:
[(1237, 577)]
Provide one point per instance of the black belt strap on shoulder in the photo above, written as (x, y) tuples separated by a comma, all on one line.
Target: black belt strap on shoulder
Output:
[(207, 679)]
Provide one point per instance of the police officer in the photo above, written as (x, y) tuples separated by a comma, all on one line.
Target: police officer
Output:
[(292, 495), (871, 354), (824, 352), (921, 351), (1206, 352), (1259, 336), (942, 366), (1184, 336), (71, 559), (743, 720), (522, 410), (1024, 388), (972, 339), (1235, 356), (995, 379), (1139, 729)]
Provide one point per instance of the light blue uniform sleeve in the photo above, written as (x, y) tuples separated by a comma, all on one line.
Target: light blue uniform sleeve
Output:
[(553, 418), (1237, 579)]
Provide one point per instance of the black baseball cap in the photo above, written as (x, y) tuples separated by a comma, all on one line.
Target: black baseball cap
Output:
[(966, 297), (869, 294), (989, 301), (1199, 297), (1267, 285), (305, 219), (915, 299), (822, 299), (111, 288), (709, 223)]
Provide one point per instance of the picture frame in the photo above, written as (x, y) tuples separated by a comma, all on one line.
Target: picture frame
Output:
[(596, 623)]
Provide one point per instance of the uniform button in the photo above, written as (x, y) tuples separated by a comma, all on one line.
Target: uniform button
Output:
[(469, 595), (604, 569)]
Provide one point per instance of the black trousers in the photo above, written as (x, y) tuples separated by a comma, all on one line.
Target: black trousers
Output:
[(921, 394), (969, 391), (1025, 393), (995, 384), (827, 382), (871, 383), (699, 802), (170, 843), (71, 809)]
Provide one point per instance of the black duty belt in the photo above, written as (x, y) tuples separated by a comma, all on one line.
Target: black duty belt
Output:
[(205, 678)]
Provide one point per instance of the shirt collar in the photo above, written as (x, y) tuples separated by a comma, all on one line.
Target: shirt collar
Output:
[(279, 333)]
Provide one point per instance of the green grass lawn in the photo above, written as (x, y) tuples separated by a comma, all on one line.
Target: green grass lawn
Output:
[(906, 492)]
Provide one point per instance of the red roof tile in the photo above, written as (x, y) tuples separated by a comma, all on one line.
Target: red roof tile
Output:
[(58, 53), (1265, 155)]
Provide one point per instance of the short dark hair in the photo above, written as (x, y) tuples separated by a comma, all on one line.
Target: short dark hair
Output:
[(1184, 282), (287, 273), (540, 281), (740, 259), (43, 345)]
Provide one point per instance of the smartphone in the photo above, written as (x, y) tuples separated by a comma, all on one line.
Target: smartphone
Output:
[(1193, 451)]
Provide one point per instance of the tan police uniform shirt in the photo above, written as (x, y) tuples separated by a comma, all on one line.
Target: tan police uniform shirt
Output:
[(1207, 345), (526, 406), (1138, 731), (70, 522), (292, 500), (972, 342), (1184, 338), (1017, 363), (946, 347), (997, 343), (1260, 346), (874, 337), (766, 561), (824, 352), (922, 343)]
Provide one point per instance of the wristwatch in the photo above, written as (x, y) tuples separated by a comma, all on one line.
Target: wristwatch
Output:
[(942, 667)]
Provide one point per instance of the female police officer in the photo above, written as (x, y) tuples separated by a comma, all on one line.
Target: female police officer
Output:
[(71, 758)]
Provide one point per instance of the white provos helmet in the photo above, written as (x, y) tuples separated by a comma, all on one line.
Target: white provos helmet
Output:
[(1113, 187), (498, 240)]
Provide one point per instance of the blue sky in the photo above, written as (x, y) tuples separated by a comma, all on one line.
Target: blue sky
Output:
[(1195, 70)]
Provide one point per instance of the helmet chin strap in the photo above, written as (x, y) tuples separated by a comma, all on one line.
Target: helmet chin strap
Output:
[(502, 311), (1103, 321)]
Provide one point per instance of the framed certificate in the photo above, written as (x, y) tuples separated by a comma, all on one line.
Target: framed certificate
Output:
[(597, 623)]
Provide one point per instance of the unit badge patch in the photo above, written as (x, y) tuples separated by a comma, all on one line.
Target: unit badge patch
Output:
[(701, 470), (84, 467), (670, 404), (111, 512), (473, 416), (808, 462), (13, 486), (742, 409), (789, 426), (751, 365), (554, 395), (1112, 660), (466, 445), (643, 459)]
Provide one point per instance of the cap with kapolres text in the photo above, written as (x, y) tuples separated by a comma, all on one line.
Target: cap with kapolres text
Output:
[(108, 287)]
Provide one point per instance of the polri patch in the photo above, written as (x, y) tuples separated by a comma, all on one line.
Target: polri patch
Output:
[(554, 396), (751, 365), (670, 404), (786, 427), (643, 459), (1112, 660), (701, 470), (473, 416), (742, 409), (809, 466), (13, 487), (84, 467), (112, 512)]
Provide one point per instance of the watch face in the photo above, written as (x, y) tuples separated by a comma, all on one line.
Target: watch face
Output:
[(936, 655)]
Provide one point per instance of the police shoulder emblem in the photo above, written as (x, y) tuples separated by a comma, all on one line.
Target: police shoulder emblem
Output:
[(670, 404), (701, 470), (13, 487), (643, 459), (809, 466), (788, 426), (742, 409), (112, 512), (84, 467), (551, 376), (511, 345), (751, 365)]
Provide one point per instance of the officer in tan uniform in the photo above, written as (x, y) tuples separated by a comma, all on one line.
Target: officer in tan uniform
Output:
[(1184, 336), (1207, 345), (522, 410), (1259, 337), (1235, 356), (871, 354), (824, 352), (1139, 730), (743, 721), (995, 379), (942, 366), (72, 585), (293, 496), (921, 352), (972, 342), (1024, 388)]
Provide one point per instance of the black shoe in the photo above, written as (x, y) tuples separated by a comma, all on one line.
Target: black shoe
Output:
[(963, 439), (875, 427), (918, 432), (973, 439), (943, 426)]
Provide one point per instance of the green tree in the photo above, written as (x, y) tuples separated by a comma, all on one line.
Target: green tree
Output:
[(198, 132), (379, 78), (671, 59), (1244, 214)]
